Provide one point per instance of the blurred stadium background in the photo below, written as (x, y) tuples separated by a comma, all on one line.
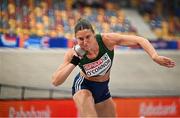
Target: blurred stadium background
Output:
[(35, 34)]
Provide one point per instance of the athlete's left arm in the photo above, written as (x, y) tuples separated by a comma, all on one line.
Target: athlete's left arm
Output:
[(113, 39)]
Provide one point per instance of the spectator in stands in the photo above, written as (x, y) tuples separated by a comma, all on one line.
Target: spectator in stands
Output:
[(147, 6), (160, 15), (60, 30), (40, 17), (174, 25), (94, 55)]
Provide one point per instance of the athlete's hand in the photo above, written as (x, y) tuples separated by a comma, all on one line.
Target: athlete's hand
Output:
[(164, 61)]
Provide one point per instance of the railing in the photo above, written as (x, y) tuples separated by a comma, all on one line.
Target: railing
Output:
[(23, 92)]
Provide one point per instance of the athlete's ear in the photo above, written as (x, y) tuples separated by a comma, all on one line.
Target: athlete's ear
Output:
[(75, 42)]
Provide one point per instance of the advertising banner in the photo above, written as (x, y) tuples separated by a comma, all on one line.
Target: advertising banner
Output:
[(37, 42), (33, 42), (7, 40), (126, 107), (162, 44), (151, 107), (59, 42), (37, 108)]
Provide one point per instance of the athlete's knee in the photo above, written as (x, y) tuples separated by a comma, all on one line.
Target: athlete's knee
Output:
[(85, 103), (114, 106), (81, 97)]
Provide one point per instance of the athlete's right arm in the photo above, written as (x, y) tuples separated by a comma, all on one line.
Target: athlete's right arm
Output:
[(64, 70)]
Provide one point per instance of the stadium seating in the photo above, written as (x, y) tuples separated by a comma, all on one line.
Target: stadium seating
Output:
[(56, 19), (162, 18)]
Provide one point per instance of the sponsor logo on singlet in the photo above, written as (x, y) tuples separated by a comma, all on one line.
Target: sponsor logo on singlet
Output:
[(99, 67)]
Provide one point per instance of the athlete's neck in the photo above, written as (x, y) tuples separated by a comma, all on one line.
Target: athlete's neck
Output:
[(93, 51)]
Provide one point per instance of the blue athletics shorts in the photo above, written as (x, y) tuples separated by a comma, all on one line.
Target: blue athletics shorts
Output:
[(99, 90)]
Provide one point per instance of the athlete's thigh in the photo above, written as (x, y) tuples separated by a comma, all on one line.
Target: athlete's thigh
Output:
[(106, 108), (85, 103)]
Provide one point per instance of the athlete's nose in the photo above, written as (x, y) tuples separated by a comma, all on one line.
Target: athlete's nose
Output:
[(85, 42)]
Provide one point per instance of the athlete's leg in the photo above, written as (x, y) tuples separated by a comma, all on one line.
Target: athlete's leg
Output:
[(106, 108), (85, 103)]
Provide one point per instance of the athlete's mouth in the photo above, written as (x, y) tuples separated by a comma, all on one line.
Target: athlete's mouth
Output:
[(85, 48)]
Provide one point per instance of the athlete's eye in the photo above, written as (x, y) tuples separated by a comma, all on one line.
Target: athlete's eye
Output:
[(81, 39), (88, 36)]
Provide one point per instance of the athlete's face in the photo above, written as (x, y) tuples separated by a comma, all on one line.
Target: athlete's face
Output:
[(85, 38)]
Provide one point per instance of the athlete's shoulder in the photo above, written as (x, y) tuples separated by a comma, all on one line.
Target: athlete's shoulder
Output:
[(107, 38)]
